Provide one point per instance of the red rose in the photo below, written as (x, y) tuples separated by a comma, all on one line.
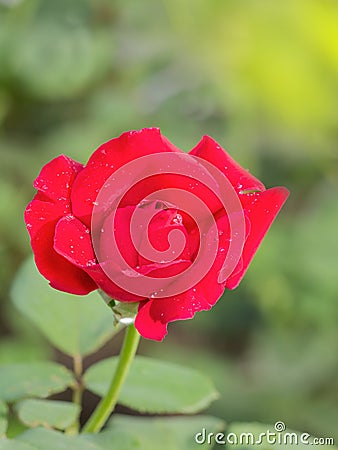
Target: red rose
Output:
[(143, 221)]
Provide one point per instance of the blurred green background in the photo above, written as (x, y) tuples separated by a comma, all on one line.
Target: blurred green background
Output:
[(261, 78)]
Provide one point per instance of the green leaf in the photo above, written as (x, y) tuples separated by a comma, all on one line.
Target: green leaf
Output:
[(75, 325), (122, 433), (166, 433), (10, 444), (39, 379), (22, 349), (154, 386), (48, 413), (43, 439), (3, 418), (115, 440), (246, 435)]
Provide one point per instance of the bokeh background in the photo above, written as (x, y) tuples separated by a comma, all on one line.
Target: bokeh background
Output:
[(261, 78)]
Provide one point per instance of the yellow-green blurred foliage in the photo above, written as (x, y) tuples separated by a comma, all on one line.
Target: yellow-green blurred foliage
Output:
[(260, 77)]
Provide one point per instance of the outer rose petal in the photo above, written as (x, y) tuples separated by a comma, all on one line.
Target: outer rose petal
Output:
[(240, 178), (72, 241), (41, 217), (110, 288), (61, 274), (38, 213), (107, 159), (261, 208), (52, 199), (56, 178), (153, 315)]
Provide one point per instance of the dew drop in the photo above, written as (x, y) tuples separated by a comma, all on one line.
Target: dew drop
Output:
[(127, 320), (178, 219), (91, 262)]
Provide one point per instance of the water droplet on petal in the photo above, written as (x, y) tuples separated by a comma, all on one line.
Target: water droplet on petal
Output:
[(91, 262)]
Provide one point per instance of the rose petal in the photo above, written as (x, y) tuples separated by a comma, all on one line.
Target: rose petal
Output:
[(61, 274), (41, 218), (72, 241), (239, 178), (164, 270), (129, 146), (107, 159), (260, 208), (174, 189), (38, 213), (155, 314), (161, 225), (107, 285), (119, 224), (56, 178)]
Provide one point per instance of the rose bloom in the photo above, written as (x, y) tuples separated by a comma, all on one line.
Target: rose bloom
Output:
[(60, 219)]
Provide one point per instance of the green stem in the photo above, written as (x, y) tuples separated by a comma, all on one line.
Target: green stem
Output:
[(108, 403)]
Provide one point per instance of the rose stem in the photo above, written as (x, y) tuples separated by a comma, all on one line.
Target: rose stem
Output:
[(107, 403)]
